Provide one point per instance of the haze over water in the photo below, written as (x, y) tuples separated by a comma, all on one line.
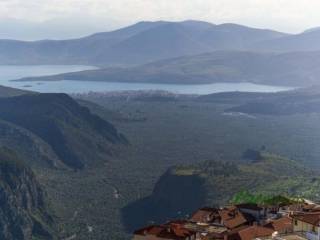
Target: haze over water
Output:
[(8, 73)]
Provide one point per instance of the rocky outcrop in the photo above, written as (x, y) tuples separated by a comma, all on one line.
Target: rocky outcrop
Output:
[(183, 189), (173, 197), (23, 210)]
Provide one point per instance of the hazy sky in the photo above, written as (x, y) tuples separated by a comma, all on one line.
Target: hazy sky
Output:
[(34, 19)]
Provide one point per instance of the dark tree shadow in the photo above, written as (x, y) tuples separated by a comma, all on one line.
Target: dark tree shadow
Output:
[(173, 198)]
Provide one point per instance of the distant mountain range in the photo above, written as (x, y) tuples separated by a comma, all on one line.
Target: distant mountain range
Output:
[(286, 69), (306, 41), (179, 52), (137, 44), (150, 41)]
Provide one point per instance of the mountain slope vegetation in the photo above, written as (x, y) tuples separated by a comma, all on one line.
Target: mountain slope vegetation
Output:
[(164, 131), (168, 130), (24, 212), (73, 134)]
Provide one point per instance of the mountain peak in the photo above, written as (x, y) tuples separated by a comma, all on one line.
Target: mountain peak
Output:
[(315, 29), (140, 43)]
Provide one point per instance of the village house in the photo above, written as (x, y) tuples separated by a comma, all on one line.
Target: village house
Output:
[(206, 215), (252, 209), (282, 225), (241, 222), (307, 224), (255, 231), (232, 217), (170, 231)]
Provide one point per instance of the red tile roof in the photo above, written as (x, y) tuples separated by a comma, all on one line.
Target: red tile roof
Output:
[(234, 233), (173, 231), (205, 215), (311, 208), (255, 232), (312, 218), (232, 218), (282, 225), (152, 230)]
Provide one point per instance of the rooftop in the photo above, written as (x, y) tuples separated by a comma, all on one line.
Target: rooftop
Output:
[(170, 231), (287, 237), (206, 228), (232, 218), (205, 215), (281, 224), (312, 218), (255, 232)]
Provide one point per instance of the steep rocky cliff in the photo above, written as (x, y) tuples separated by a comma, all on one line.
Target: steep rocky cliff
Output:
[(23, 210)]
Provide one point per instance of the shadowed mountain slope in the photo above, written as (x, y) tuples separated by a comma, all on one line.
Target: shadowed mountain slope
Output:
[(76, 136)]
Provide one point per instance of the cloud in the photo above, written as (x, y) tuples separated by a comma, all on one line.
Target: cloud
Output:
[(285, 15)]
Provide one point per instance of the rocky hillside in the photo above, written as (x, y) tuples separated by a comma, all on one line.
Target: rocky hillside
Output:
[(183, 189), (23, 210), (56, 125)]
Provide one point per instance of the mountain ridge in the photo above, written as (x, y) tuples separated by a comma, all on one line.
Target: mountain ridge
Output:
[(113, 48), (72, 132), (305, 41)]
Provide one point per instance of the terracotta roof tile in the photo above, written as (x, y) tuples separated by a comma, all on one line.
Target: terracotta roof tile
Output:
[(312, 218), (255, 232), (169, 231), (153, 229), (233, 218), (282, 224), (205, 215)]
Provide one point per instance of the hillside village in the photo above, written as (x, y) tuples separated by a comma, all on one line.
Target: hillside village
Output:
[(249, 221)]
